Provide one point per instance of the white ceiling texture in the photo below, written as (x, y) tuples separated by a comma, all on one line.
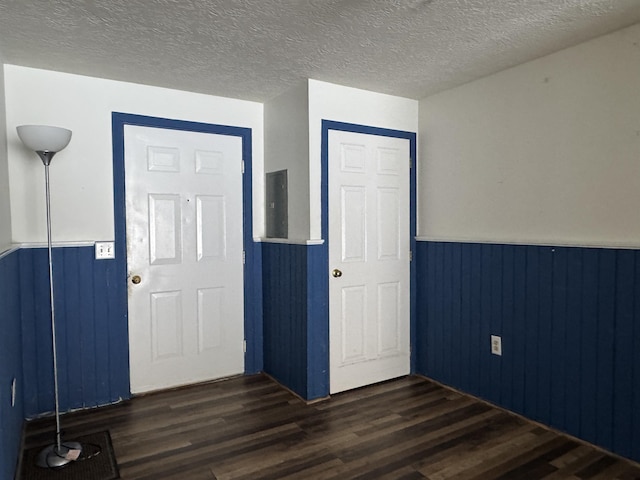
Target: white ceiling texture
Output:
[(257, 49)]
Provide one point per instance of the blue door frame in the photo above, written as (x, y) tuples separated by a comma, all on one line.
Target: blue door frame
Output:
[(319, 324), (252, 276)]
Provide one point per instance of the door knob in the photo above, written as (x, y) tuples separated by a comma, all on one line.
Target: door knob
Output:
[(136, 279), (336, 273)]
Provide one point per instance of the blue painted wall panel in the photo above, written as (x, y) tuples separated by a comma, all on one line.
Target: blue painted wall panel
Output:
[(518, 342), (317, 323), (622, 378), (558, 352), (296, 323), (634, 418), (91, 330), (507, 312), (573, 318), (285, 314), (570, 329), (587, 335), (11, 418)]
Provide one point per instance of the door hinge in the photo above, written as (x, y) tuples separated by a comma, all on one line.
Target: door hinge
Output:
[(244, 257), (411, 255), (244, 346), (410, 163), (242, 164)]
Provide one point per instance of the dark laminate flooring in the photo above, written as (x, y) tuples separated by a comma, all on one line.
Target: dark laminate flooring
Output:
[(251, 428)]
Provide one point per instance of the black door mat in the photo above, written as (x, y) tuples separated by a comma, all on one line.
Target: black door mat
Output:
[(97, 461)]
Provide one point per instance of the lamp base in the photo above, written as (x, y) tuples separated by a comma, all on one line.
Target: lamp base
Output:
[(53, 457)]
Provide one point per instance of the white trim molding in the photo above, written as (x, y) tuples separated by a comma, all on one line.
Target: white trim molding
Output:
[(290, 241)]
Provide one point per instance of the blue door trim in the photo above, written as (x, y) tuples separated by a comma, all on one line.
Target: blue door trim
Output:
[(252, 283), (324, 185)]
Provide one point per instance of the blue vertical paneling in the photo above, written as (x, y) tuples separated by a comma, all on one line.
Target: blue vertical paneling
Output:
[(634, 417), (317, 323), (589, 345), (475, 298), (11, 417), (456, 312), (570, 326), (545, 321), (605, 347), (558, 353), (531, 330), (446, 307), (421, 343), (87, 325), (485, 362), (519, 340), (506, 377), (436, 261), (573, 351), (495, 320), (28, 308), (101, 312), (90, 325), (623, 361), (466, 314), (253, 308), (285, 314)]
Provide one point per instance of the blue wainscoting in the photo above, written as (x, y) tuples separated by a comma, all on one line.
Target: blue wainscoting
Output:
[(318, 322), (91, 322), (284, 292), (295, 320), (11, 418), (569, 318)]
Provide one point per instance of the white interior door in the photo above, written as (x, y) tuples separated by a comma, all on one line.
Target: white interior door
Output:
[(369, 242), (184, 247)]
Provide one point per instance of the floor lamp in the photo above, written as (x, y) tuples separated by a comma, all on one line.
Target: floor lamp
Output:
[(47, 141)]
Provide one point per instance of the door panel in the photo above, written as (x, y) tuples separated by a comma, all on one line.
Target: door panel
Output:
[(184, 239), (166, 325), (369, 244)]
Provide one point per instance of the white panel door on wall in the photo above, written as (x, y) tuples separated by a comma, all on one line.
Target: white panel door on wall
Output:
[(184, 256), (369, 242)]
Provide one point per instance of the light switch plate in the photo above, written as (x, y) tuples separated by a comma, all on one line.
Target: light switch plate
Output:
[(105, 250)]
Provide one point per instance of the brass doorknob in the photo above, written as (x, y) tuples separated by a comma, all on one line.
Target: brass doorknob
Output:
[(136, 279), (336, 273)]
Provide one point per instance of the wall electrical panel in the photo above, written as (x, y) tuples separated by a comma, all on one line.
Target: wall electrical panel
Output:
[(277, 215)]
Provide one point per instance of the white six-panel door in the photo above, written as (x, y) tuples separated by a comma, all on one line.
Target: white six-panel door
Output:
[(369, 242), (184, 246)]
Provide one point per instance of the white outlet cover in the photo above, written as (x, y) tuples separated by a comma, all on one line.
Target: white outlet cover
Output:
[(496, 345)]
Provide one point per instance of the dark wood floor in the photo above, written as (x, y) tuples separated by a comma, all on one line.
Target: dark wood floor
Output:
[(251, 428)]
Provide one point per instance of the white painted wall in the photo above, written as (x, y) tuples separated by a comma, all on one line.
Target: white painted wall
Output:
[(546, 152), (5, 205), (328, 101), (286, 147), (81, 175)]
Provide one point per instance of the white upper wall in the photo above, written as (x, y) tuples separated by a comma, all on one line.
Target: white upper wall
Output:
[(5, 204), (546, 152), (328, 101), (286, 147), (81, 175)]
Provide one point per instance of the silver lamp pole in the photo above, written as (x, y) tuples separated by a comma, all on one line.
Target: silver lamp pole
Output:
[(46, 141)]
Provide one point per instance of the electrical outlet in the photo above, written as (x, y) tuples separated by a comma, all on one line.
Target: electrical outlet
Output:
[(13, 392), (105, 250), (496, 345)]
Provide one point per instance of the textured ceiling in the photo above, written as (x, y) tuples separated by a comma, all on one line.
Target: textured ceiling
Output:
[(257, 49)]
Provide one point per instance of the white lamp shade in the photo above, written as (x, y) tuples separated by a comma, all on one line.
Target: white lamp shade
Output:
[(43, 138)]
